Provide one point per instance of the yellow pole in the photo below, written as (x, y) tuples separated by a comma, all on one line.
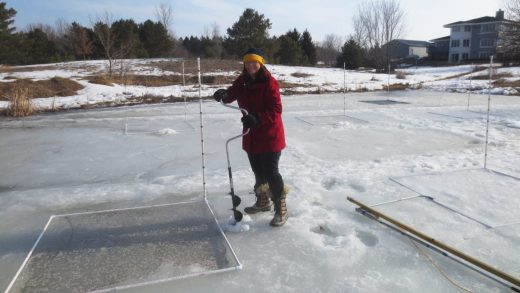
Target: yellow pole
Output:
[(440, 245)]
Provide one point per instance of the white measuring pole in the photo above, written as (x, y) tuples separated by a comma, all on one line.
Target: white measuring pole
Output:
[(202, 132), (182, 92), (469, 92), (488, 109), (388, 83), (344, 89)]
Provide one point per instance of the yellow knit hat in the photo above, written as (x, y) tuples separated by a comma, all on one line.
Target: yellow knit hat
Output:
[(254, 54), (253, 57)]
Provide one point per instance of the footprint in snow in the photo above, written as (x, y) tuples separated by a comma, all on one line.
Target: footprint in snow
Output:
[(367, 238)]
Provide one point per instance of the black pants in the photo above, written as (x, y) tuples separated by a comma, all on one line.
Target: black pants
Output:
[(265, 167)]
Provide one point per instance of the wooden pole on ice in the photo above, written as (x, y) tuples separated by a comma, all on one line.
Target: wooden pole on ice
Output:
[(440, 245)]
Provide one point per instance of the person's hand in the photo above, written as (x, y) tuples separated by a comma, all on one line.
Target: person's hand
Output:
[(250, 121), (220, 95)]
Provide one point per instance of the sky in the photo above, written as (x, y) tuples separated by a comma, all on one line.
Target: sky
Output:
[(424, 18)]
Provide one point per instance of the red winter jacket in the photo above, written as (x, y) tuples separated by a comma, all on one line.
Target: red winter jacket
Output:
[(261, 97)]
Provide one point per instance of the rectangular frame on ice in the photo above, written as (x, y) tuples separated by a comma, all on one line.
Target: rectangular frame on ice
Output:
[(489, 191), (329, 119), (125, 248)]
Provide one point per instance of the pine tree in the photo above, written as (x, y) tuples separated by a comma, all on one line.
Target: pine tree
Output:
[(155, 38), (289, 52), (127, 43), (251, 30), (37, 47), (352, 54), (294, 35), (6, 20), (308, 48), (7, 39)]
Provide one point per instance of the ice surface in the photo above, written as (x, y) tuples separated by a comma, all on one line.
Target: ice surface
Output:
[(98, 251), (82, 161)]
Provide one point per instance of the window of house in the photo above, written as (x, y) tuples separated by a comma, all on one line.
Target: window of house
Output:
[(465, 43), (488, 27), (454, 57), (484, 55), (467, 28), (455, 29), (487, 42), (465, 56), (455, 43)]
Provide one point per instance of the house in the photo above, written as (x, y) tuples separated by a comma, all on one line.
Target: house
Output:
[(439, 49), (475, 39), (405, 49)]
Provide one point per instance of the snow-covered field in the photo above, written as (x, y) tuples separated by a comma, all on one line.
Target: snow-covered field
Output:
[(84, 161), (302, 80)]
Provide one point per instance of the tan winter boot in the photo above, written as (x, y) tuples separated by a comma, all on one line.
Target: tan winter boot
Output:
[(280, 209), (262, 204)]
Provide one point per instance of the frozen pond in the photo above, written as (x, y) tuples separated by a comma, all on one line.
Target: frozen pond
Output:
[(145, 155)]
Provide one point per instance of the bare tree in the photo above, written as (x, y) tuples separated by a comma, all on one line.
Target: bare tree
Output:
[(164, 14), (329, 50), (79, 41), (509, 45), (332, 42), (377, 23), (103, 30), (217, 39), (61, 27)]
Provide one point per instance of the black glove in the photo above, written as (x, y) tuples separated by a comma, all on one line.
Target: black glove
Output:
[(220, 95), (250, 121)]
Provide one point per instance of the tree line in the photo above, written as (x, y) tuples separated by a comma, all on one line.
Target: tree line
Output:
[(376, 23), (124, 38)]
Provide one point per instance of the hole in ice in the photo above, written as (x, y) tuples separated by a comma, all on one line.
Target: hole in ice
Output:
[(231, 225)]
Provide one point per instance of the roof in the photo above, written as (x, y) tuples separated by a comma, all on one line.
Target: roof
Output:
[(413, 43), (447, 38), (476, 21)]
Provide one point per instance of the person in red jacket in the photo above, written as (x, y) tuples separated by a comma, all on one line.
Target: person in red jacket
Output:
[(257, 91)]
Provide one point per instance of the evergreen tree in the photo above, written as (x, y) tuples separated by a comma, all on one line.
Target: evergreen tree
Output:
[(193, 45), (36, 47), (127, 42), (352, 54), (251, 30), (7, 38), (308, 48), (294, 35), (289, 52), (155, 38)]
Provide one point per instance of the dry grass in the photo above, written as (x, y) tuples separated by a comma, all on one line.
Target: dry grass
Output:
[(507, 83), (495, 76), (20, 104), (12, 69), (159, 80), (56, 86), (397, 87), (301, 74), (400, 75), (190, 66)]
